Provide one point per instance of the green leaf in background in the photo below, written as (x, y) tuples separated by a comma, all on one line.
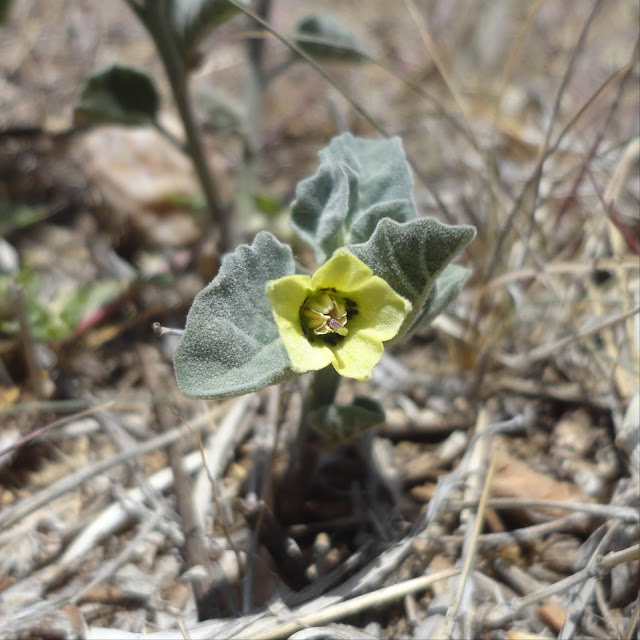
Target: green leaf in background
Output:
[(87, 299), (45, 323), (268, 204), (5, 5), (54, 318), (359, 182), (14, 216), (193, 20), (338, 42), (231, 344), (118, 95), (222, 113), (336, 425), (411, 256)]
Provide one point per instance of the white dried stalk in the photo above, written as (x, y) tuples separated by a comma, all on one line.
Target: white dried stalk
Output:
[(117, 514), (218, 451), (478, 487)]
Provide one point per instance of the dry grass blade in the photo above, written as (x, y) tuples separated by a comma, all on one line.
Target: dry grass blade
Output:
[(530, 191), (260, 485), (500, 616), (216, 453), (558, 268), (378, 598), (572, 522), (606, 511), (114, 516), (110, 567), (433, 52)]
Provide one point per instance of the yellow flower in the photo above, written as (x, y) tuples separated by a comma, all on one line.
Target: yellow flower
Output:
[(340, 316)]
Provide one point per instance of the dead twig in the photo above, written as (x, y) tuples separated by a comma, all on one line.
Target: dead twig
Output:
[(30, 437), (502, 615), (474, 522), (272, 630), (605, 511), (545, 351), (70, 482)]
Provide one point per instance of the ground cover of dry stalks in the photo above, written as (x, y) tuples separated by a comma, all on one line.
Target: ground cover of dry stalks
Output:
[(499, 499)]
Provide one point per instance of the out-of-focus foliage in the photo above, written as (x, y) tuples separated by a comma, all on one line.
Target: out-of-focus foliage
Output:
[(334, 41), (118, 95)]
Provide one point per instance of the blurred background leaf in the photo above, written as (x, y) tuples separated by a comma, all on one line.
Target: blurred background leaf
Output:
[(118, 95), (334, 40)]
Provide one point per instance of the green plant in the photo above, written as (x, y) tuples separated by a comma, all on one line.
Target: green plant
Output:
[(383, 271), (124, 95), (127, 96)]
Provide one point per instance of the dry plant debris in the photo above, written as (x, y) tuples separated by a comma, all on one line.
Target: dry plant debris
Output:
[(501, 497)]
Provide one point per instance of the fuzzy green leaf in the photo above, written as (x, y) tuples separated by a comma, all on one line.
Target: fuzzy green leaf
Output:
[(231, 344), (411, 256), (447, 287), (359, 182), (118, 95)]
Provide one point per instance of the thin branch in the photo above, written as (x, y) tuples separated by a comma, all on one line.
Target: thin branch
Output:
[(52, 425), (433, 51), (606, 511), (545, 351), (500, 616), (67, 483)]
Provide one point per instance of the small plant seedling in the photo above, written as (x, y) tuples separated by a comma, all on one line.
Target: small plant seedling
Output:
[(382, 272)]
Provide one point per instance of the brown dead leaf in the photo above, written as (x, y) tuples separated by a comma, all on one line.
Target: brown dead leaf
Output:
[(514, 478), (553, 615), (8, 396), (440, 563), (519, 634)]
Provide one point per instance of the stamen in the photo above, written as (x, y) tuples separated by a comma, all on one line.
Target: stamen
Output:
[(324, 313)]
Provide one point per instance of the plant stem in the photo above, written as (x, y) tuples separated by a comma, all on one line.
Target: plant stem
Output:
[(322, 392), (255, 84), (169, 137), (296, 485), (155, 15), (28, 345), (252, 140)]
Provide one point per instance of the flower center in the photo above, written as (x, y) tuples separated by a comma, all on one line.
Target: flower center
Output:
[(324, 313)]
